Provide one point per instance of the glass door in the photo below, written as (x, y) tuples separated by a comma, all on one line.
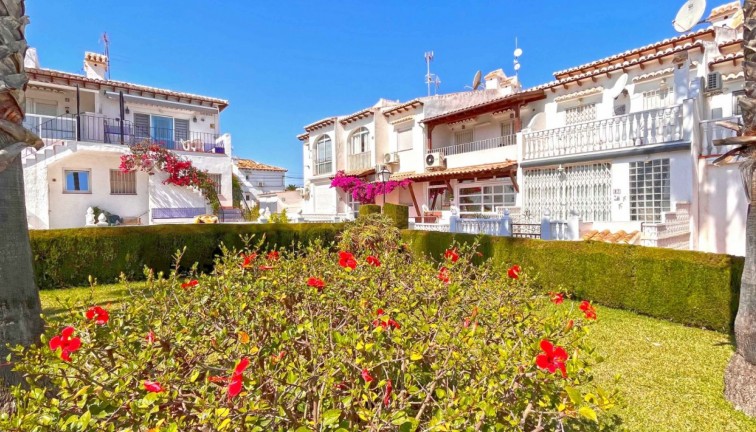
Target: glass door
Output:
[(162, 131)]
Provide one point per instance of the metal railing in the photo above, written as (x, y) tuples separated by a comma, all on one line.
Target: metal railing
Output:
[(636, 129), (101, 129), (710, 132), (479, 145), (360, 161)]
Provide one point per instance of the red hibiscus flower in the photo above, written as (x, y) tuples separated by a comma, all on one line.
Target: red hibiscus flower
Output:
[(387, 394), (266, 267), (514, 272), (316, 283), (273, 255), (150, 338), (556, 298), (366, 376), (588, 310), (247, 259), (552, 359), (387, 324), (66, 343), (152, 386), (190, 284), (452, 255), (443, 275), (98, 314), (237, 378), (347, 260), (373, 261)]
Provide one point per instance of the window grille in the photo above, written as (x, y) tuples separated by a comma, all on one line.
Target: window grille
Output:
[(649, 190), (122, 183), (580, 114), (463, 137), (216, 178)]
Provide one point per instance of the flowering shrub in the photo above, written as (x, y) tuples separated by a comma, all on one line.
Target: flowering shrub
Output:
[(149, 156), (310, 345), (364, 192)]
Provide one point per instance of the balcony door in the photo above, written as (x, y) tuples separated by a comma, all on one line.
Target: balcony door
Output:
[(162, 130)]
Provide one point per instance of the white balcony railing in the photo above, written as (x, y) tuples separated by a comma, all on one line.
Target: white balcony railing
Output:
[(636, 129), (479, 145), (360, 161), (710, 132)]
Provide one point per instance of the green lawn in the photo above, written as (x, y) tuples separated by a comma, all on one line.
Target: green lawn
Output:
[(671, 375)]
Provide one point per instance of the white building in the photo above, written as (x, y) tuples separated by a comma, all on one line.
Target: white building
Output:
[(258, 178), (87, 122), (625, 142)]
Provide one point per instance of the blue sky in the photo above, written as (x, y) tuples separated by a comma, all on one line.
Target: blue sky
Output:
[(286, 64)]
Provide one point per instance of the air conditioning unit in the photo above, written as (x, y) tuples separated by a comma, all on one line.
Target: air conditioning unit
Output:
[(713, 82), (435, 161), (391, 158)]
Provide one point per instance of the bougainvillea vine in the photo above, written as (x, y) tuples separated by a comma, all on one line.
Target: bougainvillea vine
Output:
[(366, 192)]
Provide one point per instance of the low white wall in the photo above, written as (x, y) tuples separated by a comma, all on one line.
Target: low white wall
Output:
[(37, 197)]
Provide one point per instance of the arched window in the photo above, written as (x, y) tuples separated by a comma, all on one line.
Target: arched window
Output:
[(358, 142), (323, 156)]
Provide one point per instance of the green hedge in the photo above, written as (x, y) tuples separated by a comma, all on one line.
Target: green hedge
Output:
[(693, 288), (368, 209), (67, 257), (399, 214)]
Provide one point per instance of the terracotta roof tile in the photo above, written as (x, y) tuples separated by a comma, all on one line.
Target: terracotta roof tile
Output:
[(320, 124), (619, 237), (723, 9), (254, 165)]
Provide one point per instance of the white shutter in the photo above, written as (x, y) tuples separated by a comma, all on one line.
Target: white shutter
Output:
[(325, 200), (404, 139)]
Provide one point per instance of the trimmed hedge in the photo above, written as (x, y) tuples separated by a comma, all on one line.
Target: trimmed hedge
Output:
[(399, 214), (693, 288), (368, 209), (67, 257)]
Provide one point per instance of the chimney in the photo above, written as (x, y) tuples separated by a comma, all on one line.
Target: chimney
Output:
[(95, 65), (498, 80), (30, 59)]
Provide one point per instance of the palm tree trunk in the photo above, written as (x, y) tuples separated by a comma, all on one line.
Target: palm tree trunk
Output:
[(20, 319), (740, 376)]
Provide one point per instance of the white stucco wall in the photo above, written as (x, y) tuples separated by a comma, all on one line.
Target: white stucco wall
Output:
[(171, 196), (36, 193), (723, 210), (214, 164)]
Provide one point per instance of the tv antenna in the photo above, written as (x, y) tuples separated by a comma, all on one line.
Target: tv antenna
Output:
[(689, 15), (517, 53), (105, 41), (429, 77)]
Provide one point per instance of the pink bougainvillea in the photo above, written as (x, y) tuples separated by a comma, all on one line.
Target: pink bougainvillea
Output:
[(365, 192)]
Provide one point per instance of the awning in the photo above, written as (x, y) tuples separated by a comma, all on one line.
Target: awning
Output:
[(506, 168), (163, 103)]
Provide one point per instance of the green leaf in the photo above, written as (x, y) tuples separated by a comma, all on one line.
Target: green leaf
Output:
[(574, 394), (416, 356), (331, 417), (588, 413)]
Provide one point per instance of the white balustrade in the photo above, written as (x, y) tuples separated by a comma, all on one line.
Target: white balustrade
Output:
[(438, 227), (360, 161), (636, 129), (710, 131), (479, 145)]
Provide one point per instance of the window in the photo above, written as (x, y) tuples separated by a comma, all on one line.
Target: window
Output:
[(507, 129), (439, 197), (353, 204), (122, 183), (463, 136), (359, 141), (479, 198), (77, 181), (168, 131), (736, 95), (323, 156), (404, 139), (580, 114), (649, 190), (216, 178), (659, 98)]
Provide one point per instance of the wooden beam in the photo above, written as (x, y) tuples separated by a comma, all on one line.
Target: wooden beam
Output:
[(514, 182), (414, 200)]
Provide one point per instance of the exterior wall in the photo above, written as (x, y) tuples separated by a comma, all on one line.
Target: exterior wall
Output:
[(37, 197), (68, 210), (723, 210), (272, 181), (215, 164), (163, 196)]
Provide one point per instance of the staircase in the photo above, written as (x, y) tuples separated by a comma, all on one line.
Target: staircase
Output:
[(673, 232), (231, 214)]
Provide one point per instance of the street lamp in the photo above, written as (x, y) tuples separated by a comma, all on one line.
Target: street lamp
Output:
[(383, 176)]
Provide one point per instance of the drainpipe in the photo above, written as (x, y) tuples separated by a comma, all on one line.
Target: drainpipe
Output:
[(78, 115)]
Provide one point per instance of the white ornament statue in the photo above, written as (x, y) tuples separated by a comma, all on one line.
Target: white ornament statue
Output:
[(90, 219), (102, 220)]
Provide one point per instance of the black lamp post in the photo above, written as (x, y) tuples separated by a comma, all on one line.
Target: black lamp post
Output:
[(383, 176)]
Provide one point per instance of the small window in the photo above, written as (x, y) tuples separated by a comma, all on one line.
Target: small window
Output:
[(463, 136), (216, 178), (122, 183), (77, 181), (359, 141)]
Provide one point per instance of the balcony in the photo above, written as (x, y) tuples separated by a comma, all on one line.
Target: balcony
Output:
[(486, 144), (710, 132), (360, 161), (632, 130), (100, 129)]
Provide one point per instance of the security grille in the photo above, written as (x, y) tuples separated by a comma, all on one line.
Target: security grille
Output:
[(580, 114), (586, 189), (122, 183), (216, 178)]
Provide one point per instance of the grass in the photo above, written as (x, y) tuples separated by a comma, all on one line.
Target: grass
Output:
[(671, 375)]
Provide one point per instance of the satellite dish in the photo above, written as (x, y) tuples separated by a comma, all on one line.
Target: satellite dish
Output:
[(538, 122), (476, 81), (690, 15), (618, 86), (518, 52), (517, 66)]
